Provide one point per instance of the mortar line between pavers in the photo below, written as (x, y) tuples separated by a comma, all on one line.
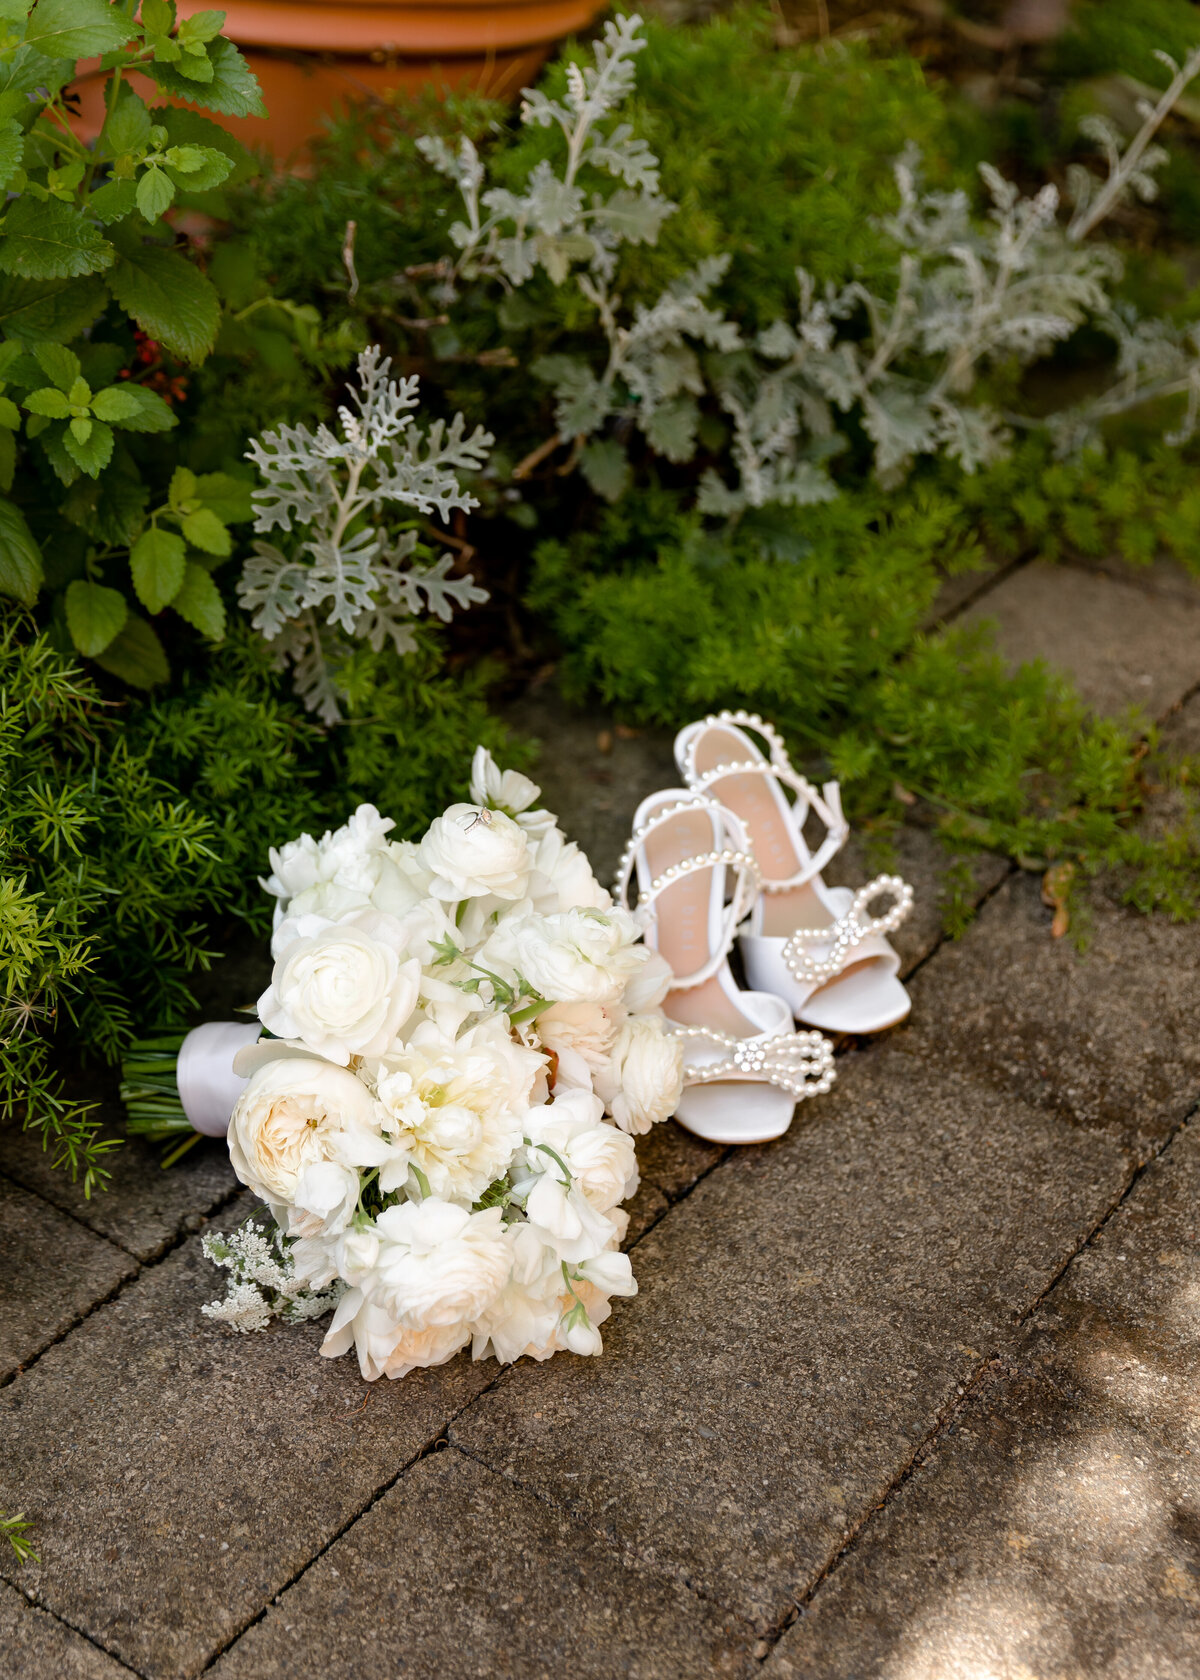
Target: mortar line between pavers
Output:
[(625, 1550), (67, 1213), (959, 1404), (986, 586), (63, 1621), (140, 1270)]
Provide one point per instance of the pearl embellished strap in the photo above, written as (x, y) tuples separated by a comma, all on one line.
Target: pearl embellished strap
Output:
[(800, 1063), (746, 883), (847, 933), (827, 804)]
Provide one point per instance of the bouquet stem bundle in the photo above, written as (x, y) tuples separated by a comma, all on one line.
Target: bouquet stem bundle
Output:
[(150, 1093)]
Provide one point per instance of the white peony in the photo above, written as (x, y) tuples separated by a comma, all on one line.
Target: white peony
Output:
[(456, 1107), (296, 1111), (385, 1348), (344, 991), (573, 956), (438, 1264), (525, 1314), (643, 1079), (471, 852)]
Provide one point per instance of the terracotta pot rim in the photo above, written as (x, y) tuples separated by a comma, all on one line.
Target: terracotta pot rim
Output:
[(403, 29)]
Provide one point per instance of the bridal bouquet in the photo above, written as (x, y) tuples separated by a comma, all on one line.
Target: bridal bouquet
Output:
[(466, 1032)]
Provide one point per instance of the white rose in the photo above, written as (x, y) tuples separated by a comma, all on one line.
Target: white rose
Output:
[(439, 1264), (456, 1107), (324, 1200), (643, 1079), (573, 956), (297, 1111), (470, 851), (562, 877), (508, 791), (343, 992)]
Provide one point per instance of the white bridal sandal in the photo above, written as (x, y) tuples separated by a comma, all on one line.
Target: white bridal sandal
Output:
[(817, 947), (745, 1067)]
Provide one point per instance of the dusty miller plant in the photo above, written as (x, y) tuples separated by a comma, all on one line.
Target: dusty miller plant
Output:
[(968, 298), (348, 573)]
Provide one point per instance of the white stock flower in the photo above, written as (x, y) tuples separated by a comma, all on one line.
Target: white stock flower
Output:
[(324, 1200), (456, 1107), (471, 852), (438, 1264), (343, 991), (508, 791), (296, 1111), (562, 877), (643, 1079)]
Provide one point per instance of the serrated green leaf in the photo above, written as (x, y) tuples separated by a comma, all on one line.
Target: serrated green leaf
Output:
[(127, 127), (113, 201), (58, 364), (155, 193), (136, 656), (201, 26), (53, 441), (95, 614), (200, 603), (117, 404), (12, 147), (80, 428), (186, 159), (189, 128), (166, 295), (80, 393), (154, 415), (33, 311), (92, 453), (195, 66), (234, 89), (157, 562), (51, 241), (8, 459), (206, 532), (228, 497), (182, 486), (49, 402), (158, 16), (28, 70), (215, 168), (78, 28), (10, 415), (21, 571)]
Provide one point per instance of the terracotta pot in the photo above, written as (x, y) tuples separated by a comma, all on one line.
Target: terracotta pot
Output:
[(313, 56)]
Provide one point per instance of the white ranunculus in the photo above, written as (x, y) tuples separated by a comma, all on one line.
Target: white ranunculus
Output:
[(581, 1036), (349, 856), (562, 877), (438, 1264), (472, 852), (324, 1200), (648, 980), (345, 991), (295, 868), (643, 1079), (601, 1160), (456, 1107), (385, 1348), (508, 791), (297, 1111)]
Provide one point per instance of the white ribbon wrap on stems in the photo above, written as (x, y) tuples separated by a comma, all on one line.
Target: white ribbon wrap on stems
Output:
[(208, 1085)]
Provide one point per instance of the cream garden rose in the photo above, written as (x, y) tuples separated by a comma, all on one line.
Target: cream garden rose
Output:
[(344, 991), (296, 1112)]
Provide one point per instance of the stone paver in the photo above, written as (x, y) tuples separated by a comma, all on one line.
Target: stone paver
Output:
[(1121, 645), (145, 1208), (455, 1574), (1055, 1533), (1109, 1037), (180, 1475), (36, 1647), (803, 1318), (53, 1271)]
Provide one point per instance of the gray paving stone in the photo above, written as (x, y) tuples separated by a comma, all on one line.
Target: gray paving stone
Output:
[(53, 1271), (1113, 638), (1164, 579), (456, 1573), (36, 1647), (803, 1317), (1109, 1037), (144, 1209), (960, 589), (181, 1474), (1056, 1532)]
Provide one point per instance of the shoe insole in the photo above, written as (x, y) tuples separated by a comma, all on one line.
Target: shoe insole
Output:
[(682, 912)]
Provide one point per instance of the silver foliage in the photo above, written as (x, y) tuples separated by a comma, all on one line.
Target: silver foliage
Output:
[(346, 575)]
